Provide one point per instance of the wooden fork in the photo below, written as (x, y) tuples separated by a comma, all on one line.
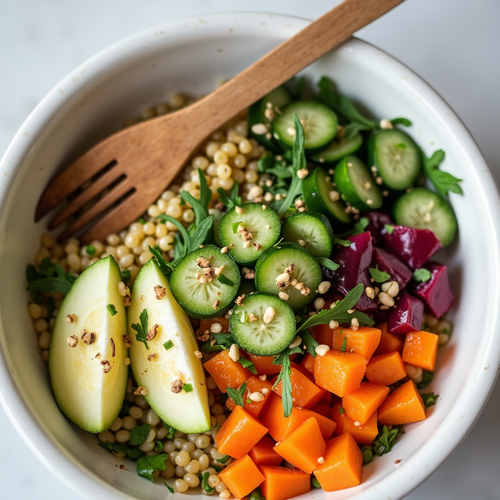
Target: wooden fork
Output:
[(139, 162)]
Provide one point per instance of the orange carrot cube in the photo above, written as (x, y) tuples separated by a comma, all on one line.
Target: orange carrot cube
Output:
[(389, 342), (323, 335), (226, 372), (362, 341), (386, 369), (264, 364), (241, 477), (361, 404), (420, 349), (305, 393), (254, 408), (362, 433), (263, 453), (281, 483), (403, 406), (308, 363)]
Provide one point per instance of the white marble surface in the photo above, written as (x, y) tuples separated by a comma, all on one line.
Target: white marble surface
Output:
[(453, 44)]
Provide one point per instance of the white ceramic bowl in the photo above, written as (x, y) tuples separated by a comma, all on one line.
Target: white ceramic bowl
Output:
[(192, 56)]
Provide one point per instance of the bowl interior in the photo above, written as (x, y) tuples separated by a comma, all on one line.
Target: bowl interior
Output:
[(192, 56)]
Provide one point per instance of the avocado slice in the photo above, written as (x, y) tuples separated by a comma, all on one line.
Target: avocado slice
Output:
[(87, 366), (168, 371)]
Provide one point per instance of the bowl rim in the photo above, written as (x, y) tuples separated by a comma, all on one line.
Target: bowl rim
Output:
[(54, 457)]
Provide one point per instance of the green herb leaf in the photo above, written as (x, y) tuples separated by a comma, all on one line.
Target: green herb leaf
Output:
[(237, 394), (225, 280), (158, 446), (169, 487), (283, 359), (142, 328), (131, 453), (310, 342), (248, 364), (56, 280), (344, 345), (200, 206), (187, 387), (164, 266), (341, 410), (354, 128), (231, 200), (367, 454), (442, 181), (139, 434), (315, 483), (422, 275), (401, 121), (379, 276), (112, 309), (147, 465), (384, 441), (90, 250), (265, 162), (427, 377), (389, 228), (340, 312), (168, 345), (341, 242), (429, 399), (204, 482), (126, 275), (223, 460), (125, 408), (323, 261), (171, 430)]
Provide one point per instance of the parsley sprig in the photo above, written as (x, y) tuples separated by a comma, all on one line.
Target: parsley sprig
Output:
[(142, 328), (49, 278), (378, 275), (443, 182), (237, 394)]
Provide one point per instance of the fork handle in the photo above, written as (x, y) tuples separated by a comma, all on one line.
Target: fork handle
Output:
[(283, 62)]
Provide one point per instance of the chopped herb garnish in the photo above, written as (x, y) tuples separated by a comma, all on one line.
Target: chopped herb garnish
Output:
[(141, 220), (341, 410), (344, 345), (367, 454), (323, 261), (125, 408), (158, 446), (50, 278), (422, 275), (341, 242), (223, 460), (283, 359), (131, 453), (139, 434), (231, 200), (147, 465), (385, 441), (237, 394), (401, 121), (442, 181), (171, 430), (248, 401), (112, 309), (204, 483), (126, 275), (315, 483), (169, 487), (427, 377), (429, 399), (187, 387), (379, 276), (248, 364), (142, 328), (165, 267), (168, 345), (90, 250), (225, 280), (223, 341), (389, 228)]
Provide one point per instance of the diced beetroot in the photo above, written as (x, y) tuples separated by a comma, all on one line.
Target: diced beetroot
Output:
[(413, 246), (436, 293), (407, 316), (390, 264), (378, 220), (379, 316)]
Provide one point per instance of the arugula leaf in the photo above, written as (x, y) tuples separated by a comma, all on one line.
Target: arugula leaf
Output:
[(164, 266), (237, 394), (169, 487), (207, 347), (340, 312), (200, 206), (283, 359), (310, 342), (139, 434), (402, 121), (142, 329), (422, 275), (231, 200), (204, 483), (247, 364), (340, 241), (299, 163), (225, 280), (147, 465), (389, 228), (379, 276), (384, 441), (429, 399), (323, 261), (344, 345), (168, 345), (367, 454), (52, 278), (112, 309), (442, 181), (131, 453), (427, 377)]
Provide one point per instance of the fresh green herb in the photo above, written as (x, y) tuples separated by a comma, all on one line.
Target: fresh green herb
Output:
[(299, 163), (278, 243), (445, 331), (225, 280), (248, 401), (315, 483), (237, 394), (139, 434), (90, 250), (125, 408), (204, 483), (341, 242), (401, 121), (158, 446), (223, 341), (235, 226), (169, 487), (131, 453), (165, 267), (283, 359), (147, 465), (142, 328), (168, 345), (340, 312), (223, 460), (248, 364), (341, 410), (429, 399), (323, 261), (442, 181), (367, 454), (422, 275), (231, 200), (200, 205), (187, 387), (384, 441), (112, 309), (217, 468), (50, 278), (379, 276), (265, 162), (141, 220), (427, 377), (126, 275), (389, 228), (171, 430), (344, 345), (310, 342)]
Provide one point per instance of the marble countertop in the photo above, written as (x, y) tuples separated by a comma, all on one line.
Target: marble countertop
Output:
[(453, 44)]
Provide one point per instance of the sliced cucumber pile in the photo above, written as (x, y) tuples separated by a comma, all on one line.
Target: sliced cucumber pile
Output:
[(396, 158), (424, 209), (337, 150), (289, 272), (248, 230), (356, 185), (205, 282), (312, 231), (263, 324)]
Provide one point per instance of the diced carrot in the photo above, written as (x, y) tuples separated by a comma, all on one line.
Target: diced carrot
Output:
[(281, 483), (389, 342), (305, 394), (280, 427), (327, 398), (241, 477), (303, 446), (403, 406), (323, 335), (254, 408), (303, 370), (342, 466), (362, 341), (385, 369), (420, 349), (322, 409), (239, 433), (362, 434), (361, 404), (226, 372), (264, 364), (339, 372), (263, 453), (308, 363), (206, 324)]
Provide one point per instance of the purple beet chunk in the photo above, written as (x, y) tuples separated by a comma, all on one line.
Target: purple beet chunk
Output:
[(407, 316), (354, 262), (436, 293), (378, 220), (390, 264), (413, 246)]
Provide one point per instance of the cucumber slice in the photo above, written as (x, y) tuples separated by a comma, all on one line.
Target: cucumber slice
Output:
[(89, 378), (425, 209), (260, 330), (318, 193), (396, 157), (356, 184), (157, 367), (338, 150), (312, 231), (262, 112), (318, 121), (249, 233), (298, 264), (208, 299)]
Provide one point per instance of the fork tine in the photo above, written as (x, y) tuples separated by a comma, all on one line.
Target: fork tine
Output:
[(71, 178), (95, 188), (101, 205)]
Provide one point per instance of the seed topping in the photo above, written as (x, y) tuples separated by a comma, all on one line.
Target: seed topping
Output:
[(88, 338), (70, 318), (106, 367), (160, 292), (72, 341)]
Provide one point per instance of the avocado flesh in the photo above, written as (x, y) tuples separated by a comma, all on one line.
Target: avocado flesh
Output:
[(156, 368), (83, 391)]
